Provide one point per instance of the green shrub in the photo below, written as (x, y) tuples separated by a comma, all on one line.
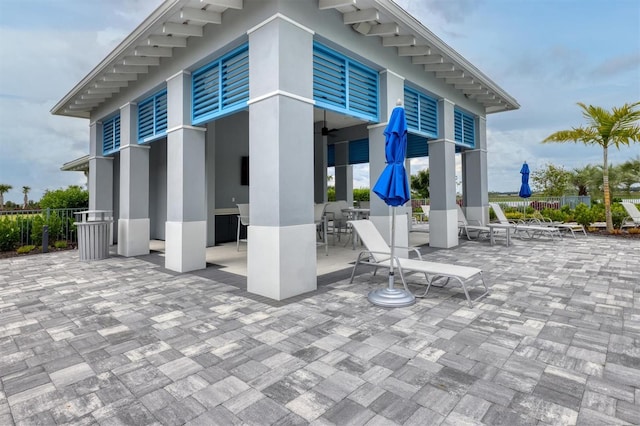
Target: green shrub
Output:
[(554, 215), (26, 249), (618, 214), (361, 194), (55, 224), (60, 244), (583, 215), (9, 233), (71, 198)]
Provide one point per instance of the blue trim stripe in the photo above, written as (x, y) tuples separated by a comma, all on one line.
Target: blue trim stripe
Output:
[(464, 126), (222, 86), (152, 118), (359, 151), (417, 145), (421, 112), (343, 85), (111, 135), (331, 155)]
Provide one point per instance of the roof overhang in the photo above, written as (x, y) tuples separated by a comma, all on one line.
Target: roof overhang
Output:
[(78, 165), (174, 21)]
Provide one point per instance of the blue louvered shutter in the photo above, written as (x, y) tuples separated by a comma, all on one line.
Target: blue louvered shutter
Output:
[(464, 129), (152, 118), (343, 85), (359, 151), (421, 112), (221, 87), (111, 135), (331, 155), (417, 146)]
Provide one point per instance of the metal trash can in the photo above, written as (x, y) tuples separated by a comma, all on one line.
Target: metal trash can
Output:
[(93, 234)]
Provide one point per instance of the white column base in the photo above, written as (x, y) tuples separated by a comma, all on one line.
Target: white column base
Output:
[(133, 237), (185, 246), (281, 261), (477, 214), (443, 228)]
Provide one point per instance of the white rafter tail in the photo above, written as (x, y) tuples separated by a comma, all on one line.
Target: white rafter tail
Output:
[(455, 74), (455, 79), (130, 69), (474, 92), (97, 98), (183, 30), (88, 103), (439, 67), (79, 107), (334, 4), (198, 15), (414, 51), (384, 29), (141, 60), (107, 91), (398, 41), (166, 41), (424, 60), (158, 52), (365, 15), (225, 4), (107, 84), (486, 97), (120, 77)]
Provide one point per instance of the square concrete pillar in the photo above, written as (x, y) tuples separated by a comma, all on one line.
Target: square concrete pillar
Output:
[(475, 186), (186, 226), (100, 173), (344, 173), (320, 168), (281, 257), (134, 223), (443, 220)]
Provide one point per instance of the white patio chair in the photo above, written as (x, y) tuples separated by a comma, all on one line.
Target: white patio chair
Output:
[(469, 229), (521, 228), (320, 219), (378, 255), (337, 219), (634, 215), (243, 220)]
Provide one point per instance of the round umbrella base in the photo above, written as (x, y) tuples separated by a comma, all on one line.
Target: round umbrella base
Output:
[(391, 298)]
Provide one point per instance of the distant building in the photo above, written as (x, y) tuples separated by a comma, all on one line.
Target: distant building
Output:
[(284, 88)]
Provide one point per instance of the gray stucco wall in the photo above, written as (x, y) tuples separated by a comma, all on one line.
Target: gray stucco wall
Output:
[(232, 143), (158, 188)]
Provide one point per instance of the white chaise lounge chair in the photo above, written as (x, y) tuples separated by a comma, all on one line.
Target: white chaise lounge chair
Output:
[(378, 255), (634, 215), (466, 228), (521, 228)]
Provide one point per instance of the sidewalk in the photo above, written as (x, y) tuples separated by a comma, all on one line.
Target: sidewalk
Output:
[(123, 341)]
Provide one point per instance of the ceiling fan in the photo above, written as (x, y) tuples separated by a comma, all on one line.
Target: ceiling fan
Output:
[(325, 131)]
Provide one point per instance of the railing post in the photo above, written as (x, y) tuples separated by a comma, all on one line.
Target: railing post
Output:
[(45, 239)]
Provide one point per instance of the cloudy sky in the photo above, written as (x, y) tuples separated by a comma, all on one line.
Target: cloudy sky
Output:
[(548, 54)]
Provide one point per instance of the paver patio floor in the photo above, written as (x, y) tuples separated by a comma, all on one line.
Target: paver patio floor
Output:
[(123, 341)]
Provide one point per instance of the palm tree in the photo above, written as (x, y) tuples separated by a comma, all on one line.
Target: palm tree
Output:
[(25, 191), (620, 126), (4, 188)]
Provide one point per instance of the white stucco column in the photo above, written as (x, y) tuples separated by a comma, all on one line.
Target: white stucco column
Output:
[(475, 186), (100, 173), (186, 226), (391, 89), (134, 224), (443, 220), (281, 238), (320, 168), (344, 173)]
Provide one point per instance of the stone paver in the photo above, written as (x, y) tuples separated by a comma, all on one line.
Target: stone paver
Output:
[(123, 341)]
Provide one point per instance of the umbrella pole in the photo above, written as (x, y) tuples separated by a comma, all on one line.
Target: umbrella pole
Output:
[(391, 297), (393, 247)]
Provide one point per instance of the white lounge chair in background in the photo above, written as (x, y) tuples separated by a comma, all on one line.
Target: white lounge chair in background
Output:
[(567, 227), (469, 229), (634, 215), (378, 255), (521, 228)]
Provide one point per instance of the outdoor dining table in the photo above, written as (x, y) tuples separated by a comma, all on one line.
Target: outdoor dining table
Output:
[(494, 226), (356, 213)]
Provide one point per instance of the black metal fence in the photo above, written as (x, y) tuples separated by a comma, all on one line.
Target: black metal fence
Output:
[(27, 227)]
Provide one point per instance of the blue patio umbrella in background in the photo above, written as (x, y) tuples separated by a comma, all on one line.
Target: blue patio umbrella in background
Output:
[(525, 190), (393, 188)]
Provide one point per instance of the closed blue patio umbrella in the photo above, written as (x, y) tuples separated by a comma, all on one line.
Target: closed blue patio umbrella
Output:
[(525, 190), (393, 188)]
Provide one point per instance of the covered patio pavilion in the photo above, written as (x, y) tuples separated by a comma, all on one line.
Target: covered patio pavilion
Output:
[(202, 88)]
